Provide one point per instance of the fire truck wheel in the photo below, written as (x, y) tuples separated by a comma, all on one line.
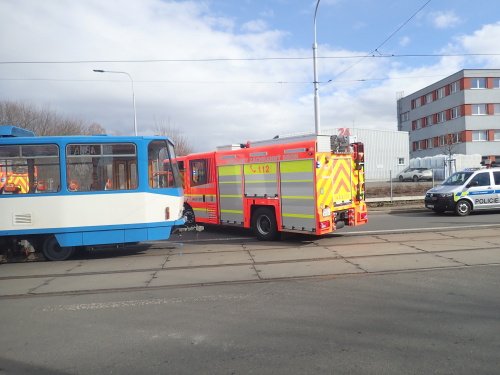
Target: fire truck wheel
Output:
[(52, 251), (189, 216), (264, 224)]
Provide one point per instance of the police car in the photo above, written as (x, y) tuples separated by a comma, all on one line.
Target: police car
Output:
[(466, 191)]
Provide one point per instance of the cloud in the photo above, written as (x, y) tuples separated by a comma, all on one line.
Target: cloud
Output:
[(484, 43), (404, 41), (254, 26), (444, 20), (212, 102)]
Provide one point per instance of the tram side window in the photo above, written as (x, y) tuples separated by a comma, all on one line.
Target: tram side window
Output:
[(163, 173), (29, 169), (101, 166)]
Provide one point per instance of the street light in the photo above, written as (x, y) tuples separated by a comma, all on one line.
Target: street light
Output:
[(133, 94), (316, 89)]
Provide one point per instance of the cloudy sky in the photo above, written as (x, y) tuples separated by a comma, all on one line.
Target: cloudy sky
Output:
[(228, 71)]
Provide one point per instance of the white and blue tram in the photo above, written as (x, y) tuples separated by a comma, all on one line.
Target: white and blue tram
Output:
[(59, 193)]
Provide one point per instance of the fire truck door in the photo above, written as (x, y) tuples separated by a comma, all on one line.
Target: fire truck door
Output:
[(201, 191), (298, 209), (230, 194)]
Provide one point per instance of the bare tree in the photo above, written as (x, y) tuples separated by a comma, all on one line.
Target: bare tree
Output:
[(165, 128), (44, 121), (449, 147)]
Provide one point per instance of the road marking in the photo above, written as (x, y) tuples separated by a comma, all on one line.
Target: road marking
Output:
[(138, 303), (417, 229)]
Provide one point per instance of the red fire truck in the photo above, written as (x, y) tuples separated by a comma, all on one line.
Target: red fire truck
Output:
[(307, 184)]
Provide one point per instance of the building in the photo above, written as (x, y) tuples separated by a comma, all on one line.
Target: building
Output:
[(459, 114), (386, 151)]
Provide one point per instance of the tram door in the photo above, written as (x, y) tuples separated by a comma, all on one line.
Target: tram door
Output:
[(124, 175)]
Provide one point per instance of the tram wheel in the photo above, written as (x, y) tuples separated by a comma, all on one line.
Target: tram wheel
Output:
[(189, 216), (52, 251)]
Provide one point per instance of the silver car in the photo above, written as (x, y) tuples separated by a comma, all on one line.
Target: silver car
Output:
[(415, 174)]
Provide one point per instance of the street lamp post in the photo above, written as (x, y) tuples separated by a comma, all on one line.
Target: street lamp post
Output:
[(133, 93), (317, 126)]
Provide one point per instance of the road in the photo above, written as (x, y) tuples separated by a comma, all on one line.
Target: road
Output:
[(383, 302), (388, 220), (398, 219)]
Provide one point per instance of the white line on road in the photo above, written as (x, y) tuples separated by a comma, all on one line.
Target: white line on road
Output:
[(138, 303), (418, 229)]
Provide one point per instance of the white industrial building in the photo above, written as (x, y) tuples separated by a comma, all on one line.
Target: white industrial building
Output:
[(386, 151)]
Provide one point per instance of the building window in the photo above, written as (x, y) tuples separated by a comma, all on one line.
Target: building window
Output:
[(441, 93), (478, 83), (430, 120), (419, 123), (441, 117), (442, 140), (455, 138), (496, 135), (428, 98), (479, 109), (430, 143), (455, 112), (417, 103), (454, 87), (496, 83), (401, 161), (496, 109), (479, 135), (405, 116)]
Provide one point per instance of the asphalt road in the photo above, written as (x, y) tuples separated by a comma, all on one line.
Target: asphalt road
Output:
[(388, 220), (427, 322), (418, 302)]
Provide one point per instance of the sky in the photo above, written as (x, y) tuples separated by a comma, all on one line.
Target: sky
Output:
[(229, 71)]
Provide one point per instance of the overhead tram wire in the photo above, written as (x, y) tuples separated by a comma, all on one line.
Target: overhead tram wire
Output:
[(221, 82), (33, 62), (376, 50)]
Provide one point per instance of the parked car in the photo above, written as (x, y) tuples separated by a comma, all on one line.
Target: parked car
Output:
[(415, 174)]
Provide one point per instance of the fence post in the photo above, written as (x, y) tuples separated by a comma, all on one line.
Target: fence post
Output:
[(390, 181)]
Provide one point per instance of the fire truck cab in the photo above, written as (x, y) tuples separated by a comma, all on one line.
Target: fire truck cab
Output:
[(310, 184)]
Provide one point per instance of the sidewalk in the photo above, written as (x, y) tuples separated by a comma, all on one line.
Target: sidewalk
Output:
[(396, 203)]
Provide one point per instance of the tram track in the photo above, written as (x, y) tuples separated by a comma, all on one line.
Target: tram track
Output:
[(253, 263), (174, 264)]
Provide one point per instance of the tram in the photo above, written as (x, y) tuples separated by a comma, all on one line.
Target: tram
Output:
[(59, 193)]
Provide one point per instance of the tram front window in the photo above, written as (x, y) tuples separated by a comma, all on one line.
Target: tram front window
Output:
[(162, 172)]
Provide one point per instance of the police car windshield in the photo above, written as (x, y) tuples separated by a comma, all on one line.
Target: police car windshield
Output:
[(458, 178)]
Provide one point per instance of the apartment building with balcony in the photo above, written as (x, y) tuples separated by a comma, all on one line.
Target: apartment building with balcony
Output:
[(460, 113)]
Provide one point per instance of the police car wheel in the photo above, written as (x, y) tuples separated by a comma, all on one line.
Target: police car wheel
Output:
[(415, 178), (52, 251), (463, 208), (264, 224), (401, 179)]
